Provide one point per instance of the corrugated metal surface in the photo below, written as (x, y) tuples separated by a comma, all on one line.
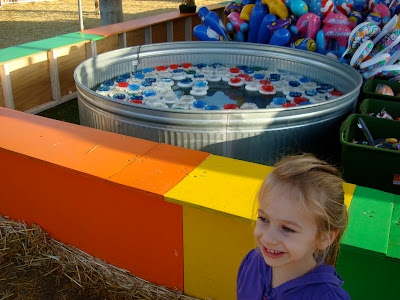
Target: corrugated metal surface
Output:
[(258, 136)]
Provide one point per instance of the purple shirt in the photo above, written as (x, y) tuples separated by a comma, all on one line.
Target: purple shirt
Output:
[(254, 282)]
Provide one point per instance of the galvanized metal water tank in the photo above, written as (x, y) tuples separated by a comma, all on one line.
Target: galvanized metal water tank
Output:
[(252, 135)]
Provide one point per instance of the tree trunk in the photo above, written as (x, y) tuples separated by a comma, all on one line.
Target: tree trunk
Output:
[(110, 12)]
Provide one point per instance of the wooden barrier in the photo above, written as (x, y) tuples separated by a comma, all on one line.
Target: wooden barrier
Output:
[(39, 75), (170, 215)]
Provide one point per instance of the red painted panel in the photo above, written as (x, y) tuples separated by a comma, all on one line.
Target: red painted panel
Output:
[(124, 226)]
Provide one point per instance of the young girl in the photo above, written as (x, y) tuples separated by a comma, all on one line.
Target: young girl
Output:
[(301, 219)]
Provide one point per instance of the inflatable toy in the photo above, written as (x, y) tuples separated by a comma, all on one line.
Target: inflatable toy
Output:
[(383, 11), (394, 55), (304, 44), (307, 26), (345, 7), (264, 34), (385, 71), (236, 23), (281, 37), (354, 18), (281, 23), (358, 35), (386, 43), (315, 7), (360, 5), (246, 12), (327, 6), (256, 17), (277, 8), (298, 7), (378, 61), (204, 33), (374, 18), (245, 2), (233, 7), (211, 19), (387, 28), (361, 53), (333, 39)]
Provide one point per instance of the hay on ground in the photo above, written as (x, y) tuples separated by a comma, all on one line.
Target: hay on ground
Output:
[(35, 266)]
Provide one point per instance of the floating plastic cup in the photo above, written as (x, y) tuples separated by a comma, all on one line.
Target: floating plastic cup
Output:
[(149, 93), (185, 83), (198, 105), (103, 90), (187, 99), (249, 105), (147, 70), (121, 97), (109, 83), (211, 107), (139, 76), (279, 100)]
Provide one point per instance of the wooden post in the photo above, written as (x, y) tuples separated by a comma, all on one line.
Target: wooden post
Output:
[(6, 84), (54, 78)]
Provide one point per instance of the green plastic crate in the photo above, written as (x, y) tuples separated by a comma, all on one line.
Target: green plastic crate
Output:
[(366, 165), (370, 85), (376, 106)]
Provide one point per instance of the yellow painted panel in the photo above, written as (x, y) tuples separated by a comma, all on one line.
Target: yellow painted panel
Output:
[(221, 184), (214, 245), (348, 193)]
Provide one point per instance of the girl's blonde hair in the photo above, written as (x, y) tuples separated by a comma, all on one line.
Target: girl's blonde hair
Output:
[(318, 188)]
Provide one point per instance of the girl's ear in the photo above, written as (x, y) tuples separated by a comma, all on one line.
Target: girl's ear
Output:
[(327, 239)]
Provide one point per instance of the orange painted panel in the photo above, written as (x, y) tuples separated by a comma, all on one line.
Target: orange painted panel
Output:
[(126, 227), (92, 151), (160, 169)]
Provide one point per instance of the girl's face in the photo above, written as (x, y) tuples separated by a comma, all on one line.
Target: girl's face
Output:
[(286, 237)]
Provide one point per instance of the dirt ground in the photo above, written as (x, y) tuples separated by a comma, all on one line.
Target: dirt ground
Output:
[(27, 22)]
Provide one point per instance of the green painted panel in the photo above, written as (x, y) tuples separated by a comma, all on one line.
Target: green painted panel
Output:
[(370, 215), (368, 275), (394, 237), (15, 52)]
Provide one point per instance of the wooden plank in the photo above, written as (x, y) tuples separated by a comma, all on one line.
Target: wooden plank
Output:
[(68, 59), (126, 227), (107, 44), (91, 49), (54, 77), (213, 186), (68, 145), (179, 30), (159, 33), (188, 28), (16, 52), (2, 104), (394, 237), (148, 35), (6, 86), (195, 21), (170, 31), (135, 37), (135, 24), (160, 169), (30, 79), (371, 211), (122, 40), (209, 269)]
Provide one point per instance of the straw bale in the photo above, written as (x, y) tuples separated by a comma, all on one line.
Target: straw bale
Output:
[(33, 265)]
